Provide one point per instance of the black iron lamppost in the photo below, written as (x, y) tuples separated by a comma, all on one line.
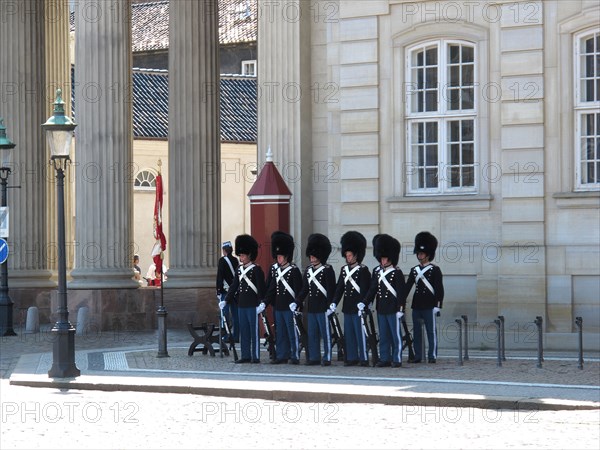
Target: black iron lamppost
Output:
[(59, 134), (6, 304)]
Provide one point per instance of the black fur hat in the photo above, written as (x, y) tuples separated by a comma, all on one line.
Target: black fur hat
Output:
[(388, 247), (247, 245), (319, 246), (375, 246), (282, 244), (427, 243), (355, 242)]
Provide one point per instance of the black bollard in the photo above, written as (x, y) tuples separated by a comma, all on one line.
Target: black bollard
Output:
[(501, 318), (538, 322), (498, 342), (466, 343), (579, 323), (460, 358)]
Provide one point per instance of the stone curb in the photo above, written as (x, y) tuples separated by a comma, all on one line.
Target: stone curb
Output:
[(297, 392)]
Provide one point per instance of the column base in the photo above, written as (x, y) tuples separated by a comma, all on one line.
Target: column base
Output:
[(102, 279), (191, 278), (30, 279)]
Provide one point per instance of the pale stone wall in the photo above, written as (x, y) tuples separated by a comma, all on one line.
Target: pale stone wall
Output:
[(526, 244), (237, 163)]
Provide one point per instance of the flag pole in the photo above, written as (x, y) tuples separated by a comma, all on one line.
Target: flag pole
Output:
[(162, 312)]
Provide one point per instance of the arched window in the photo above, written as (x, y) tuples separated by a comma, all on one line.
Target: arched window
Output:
[(587, 109), (145, 180), (441, 116)]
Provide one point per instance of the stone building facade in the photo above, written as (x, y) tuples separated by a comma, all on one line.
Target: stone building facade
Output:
[(477, 121)]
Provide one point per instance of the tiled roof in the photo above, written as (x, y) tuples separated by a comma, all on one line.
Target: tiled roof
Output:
[(150, 23), (151, 109)]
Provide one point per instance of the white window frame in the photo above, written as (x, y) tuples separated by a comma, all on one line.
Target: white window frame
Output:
[(249, 62), (152, 186), (581, 108), (442, 116)]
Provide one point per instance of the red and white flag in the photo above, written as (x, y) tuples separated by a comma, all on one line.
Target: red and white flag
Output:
[(161, 241)]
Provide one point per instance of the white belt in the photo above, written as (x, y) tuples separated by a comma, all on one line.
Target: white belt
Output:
[(421, 276), (312, 278), (243, 276), (382, 278), (280, 274), (348, 277)]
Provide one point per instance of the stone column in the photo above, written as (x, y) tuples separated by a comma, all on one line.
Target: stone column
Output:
[(23, 107), (194, 143), (285, 102), (104, 146), (58, 75)]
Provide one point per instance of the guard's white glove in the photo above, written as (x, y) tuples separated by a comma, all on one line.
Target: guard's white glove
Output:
[(436, 310), (361, 306), (332, 307), (260, 308), (222, 304), (293, 307), (399, 315)]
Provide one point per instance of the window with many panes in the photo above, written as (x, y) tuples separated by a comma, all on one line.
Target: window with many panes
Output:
[(441, 118), (145, 180), (587, 109)]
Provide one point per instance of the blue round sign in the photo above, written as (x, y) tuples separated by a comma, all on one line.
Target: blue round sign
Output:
[(3, 251)]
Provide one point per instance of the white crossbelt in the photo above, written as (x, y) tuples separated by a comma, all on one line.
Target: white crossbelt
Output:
[(225, 283), (421, 276), (280, 274), (312, 278), (348, 277), (243, 276), (382, 278)]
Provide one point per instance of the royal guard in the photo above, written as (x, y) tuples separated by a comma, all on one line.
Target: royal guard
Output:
[(248, 291), (387, 290), (429, 293), (319, 286), (353, 285), (285, 284)]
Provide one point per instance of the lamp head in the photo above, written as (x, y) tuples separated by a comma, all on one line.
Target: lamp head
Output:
[(59, 130)]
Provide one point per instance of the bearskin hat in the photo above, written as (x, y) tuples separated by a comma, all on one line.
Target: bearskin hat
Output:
[(319, 246), (427, 243), (282, 244), (247, 245), (386, 246), (375, 246), (355, 242)]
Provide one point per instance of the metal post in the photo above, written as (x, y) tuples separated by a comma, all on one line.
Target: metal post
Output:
[(501, 318), (579, 323), (63, 365), (162, 322), (466, 343), (498, 342), (6, 304), (538, 322), (460, 355)]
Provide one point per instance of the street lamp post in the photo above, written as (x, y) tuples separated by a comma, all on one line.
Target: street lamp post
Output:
[(6, 304), (59, 134)]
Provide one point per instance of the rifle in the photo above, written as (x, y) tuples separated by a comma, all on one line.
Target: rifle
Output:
[(269, 338), (337, 336), (303, 345), (230, 334), (368, 327), (407, 341)]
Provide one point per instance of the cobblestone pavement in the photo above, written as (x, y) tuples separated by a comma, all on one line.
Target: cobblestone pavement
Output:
[(48, 418), (129, 354)]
